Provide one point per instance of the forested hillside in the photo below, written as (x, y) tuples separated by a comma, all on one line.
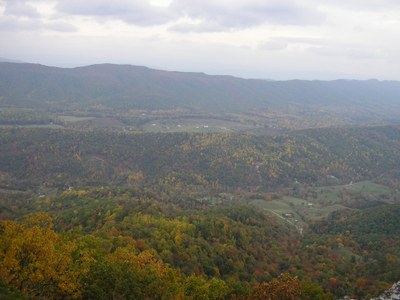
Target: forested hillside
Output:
[(98, 214), (62, 158), (110, 88), (126, 242)]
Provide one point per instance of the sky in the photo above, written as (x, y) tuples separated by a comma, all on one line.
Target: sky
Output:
[(269, 39)]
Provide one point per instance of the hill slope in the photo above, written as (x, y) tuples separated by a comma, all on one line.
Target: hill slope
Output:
[(54, 157), (125, 86)]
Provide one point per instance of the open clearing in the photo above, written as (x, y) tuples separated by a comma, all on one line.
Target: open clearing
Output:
[(327, 199)]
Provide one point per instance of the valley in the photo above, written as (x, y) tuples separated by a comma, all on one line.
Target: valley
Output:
[(120, 181)]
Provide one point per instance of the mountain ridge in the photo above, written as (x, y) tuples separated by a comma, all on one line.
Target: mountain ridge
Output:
[(110, 90), (128, 78)]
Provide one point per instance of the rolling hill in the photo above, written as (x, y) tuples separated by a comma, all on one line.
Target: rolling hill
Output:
[(36, 156), (122, 87)]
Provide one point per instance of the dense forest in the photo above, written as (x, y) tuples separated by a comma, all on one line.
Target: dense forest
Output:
[(223, 162), (100, 214)]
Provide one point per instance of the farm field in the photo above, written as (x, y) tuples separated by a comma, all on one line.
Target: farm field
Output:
[(320, 202)]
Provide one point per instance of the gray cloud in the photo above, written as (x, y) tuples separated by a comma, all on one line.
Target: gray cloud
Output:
[(22, 15), (20, 8), (214, 15), (134, 12), (13, 24), (365, 5), (94, 8), (244, 14), (16, 24)]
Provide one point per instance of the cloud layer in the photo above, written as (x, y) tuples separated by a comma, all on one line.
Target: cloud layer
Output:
[(222, 14), (266, 38)]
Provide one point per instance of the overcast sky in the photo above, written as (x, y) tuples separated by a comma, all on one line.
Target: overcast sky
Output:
[(275, 39)]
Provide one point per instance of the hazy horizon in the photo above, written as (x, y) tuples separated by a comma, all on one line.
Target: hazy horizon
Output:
[(73, 66), (277, 40)]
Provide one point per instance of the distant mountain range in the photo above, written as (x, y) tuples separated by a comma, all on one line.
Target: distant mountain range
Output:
[(122, 87), (3, 59)]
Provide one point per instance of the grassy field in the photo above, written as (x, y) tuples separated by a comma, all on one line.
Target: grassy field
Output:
[(331, 193), (281, 208), (369, 187), (301, 210), (327, 200)]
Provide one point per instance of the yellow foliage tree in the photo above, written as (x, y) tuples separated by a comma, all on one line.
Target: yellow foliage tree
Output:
[(35, 260), (135, 178), (284, 287)]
